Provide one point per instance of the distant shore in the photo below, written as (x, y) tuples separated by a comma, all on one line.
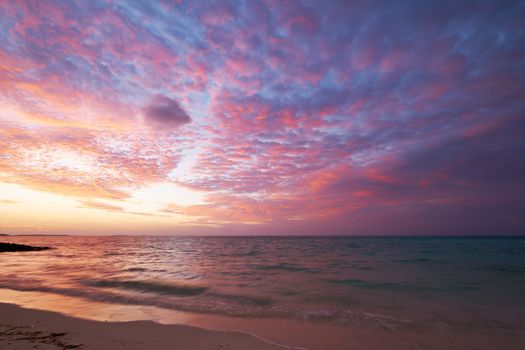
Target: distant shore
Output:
[(22, 329)]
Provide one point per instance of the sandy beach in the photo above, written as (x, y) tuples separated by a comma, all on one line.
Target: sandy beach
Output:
[(22, 329)]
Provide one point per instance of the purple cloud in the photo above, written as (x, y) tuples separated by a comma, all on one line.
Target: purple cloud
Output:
[(165, 112)]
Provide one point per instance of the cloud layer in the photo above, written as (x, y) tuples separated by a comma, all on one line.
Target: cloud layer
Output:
[(350, 117)]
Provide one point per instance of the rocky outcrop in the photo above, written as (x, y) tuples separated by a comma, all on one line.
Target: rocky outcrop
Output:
[(12, 247)]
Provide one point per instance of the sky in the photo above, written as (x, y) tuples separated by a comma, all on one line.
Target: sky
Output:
[(262, 117)]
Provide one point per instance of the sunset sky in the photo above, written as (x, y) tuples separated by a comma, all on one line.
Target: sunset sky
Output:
[(262, 117)]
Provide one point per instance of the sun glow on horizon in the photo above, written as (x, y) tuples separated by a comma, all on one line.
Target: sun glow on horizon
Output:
[(159, 196), (146, 208)]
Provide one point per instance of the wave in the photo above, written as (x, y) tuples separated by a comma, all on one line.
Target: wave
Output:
[(381, 285), (414, 260), (136, 269), (148, 286), (505, 269), (447, 288), (209, 303), (286, 267), (244, 299)]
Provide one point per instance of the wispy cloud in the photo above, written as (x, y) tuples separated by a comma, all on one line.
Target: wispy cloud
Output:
[(8, 201)]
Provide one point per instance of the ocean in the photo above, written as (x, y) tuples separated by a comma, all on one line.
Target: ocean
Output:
[(388, 281)]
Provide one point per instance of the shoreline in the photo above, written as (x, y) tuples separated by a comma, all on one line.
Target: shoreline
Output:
[(79, 308), (143, 327), (22, 328)]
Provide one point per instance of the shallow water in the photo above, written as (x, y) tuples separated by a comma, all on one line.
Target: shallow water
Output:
[(339, 280)]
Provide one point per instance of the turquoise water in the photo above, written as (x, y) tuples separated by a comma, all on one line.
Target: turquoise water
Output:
[(334, 279)]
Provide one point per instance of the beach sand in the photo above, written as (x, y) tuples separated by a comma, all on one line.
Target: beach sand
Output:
[(22, 329)]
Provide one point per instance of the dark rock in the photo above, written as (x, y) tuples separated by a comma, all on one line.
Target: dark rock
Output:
[(12, 247)]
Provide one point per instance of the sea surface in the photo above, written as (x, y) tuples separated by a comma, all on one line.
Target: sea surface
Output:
[(340, 280)]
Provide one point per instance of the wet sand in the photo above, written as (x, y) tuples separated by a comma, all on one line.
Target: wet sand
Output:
[(22, 329)]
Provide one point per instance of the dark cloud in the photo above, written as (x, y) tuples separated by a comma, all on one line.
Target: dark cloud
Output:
[(493, 158), (165, 112)]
